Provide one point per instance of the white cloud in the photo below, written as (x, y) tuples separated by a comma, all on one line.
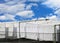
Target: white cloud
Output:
[(34, 19), (54, 17), (3, 8), (26, 14), (42, 18), (13, 2), (16, 8), (52, 3), (36, 0), (57, 12), (28, 7), (10, 11), (2, 17), (55, 5), (34, 4), (9, 17)]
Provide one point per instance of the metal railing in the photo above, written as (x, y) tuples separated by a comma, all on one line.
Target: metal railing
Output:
[(31, 35)]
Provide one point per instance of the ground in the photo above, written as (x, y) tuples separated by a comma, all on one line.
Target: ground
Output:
[(23, 41)]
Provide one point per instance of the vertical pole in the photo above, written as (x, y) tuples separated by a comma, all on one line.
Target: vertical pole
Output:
[(59, 34), (13, 31), (38, 32), (6, 32), (19, 30), (54, 33), (25, 30)]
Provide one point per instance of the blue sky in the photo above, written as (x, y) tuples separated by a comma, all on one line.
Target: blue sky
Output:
[(17, 10)]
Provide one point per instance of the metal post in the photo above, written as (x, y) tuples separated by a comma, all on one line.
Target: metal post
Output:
[(54, 34), (6, 32), (25, 30), (59, 34), (19, 30), (38, 32)]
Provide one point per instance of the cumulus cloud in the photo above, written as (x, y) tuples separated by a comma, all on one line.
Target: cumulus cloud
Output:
[(57, 12), (3, 8), (9, 17), (13, 2), (2, 17), (54, 17), (42, 18), (52, 3), (20, 9), (28, 7), (55, 5), (36, 0), (15, 8), (34, 19), (26, 14)]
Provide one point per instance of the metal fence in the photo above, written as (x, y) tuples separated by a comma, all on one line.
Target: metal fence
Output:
[(30, 35), (40, 35), (33, 36)]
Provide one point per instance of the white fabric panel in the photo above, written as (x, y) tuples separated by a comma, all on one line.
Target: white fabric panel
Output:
[(22, 29), (2, 36), (18, 35), (31, 27), (41, 37), (45, 28), (2, 26), (48, 37), (31, 35), (46, 32), (2, 30), (9, 25), (48, 29), (16, 25), (22, 35), (10, 32)]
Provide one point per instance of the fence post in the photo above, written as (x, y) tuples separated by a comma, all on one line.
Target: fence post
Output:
[(6, 32), (54, 34), (59, 34), (25, 29), (19, 30), (38, 32)]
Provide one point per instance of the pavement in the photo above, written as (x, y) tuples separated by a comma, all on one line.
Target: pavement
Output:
[(23, 41)]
